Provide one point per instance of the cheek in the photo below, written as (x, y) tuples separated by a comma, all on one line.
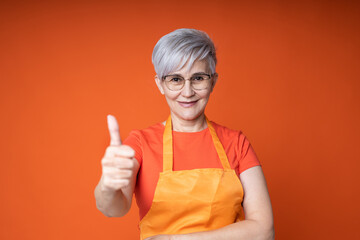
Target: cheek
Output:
[(170, 99), (171, 95), (205, 94)]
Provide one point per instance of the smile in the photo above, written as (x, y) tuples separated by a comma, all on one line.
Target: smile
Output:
[(187, 104)]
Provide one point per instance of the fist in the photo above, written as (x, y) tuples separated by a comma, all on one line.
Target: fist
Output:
[(119, 167)]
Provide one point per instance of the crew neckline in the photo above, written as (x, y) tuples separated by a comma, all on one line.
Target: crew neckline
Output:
[(177, 132)]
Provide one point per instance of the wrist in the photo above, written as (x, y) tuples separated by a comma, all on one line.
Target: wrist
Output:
[(107, 192)]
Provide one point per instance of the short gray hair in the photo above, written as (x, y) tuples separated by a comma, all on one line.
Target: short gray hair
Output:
[(175, 49)]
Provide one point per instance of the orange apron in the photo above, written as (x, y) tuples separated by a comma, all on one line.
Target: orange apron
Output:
[(193, 200)]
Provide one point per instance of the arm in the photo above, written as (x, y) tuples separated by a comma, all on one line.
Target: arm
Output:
[(258, 223), (114, 191), (115, 203)]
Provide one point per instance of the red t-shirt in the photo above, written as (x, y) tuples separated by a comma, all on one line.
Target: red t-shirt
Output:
[(191, 150)]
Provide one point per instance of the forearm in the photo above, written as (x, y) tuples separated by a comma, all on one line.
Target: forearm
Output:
[(246, 229), (112, 203), (258, 223)]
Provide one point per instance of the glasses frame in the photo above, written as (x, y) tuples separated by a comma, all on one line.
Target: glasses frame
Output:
[(189, 79)]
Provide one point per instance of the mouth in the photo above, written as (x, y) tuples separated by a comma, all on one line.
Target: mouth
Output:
[(187, 104)]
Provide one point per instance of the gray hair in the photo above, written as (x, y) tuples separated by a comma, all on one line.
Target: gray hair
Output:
[(174, 50)]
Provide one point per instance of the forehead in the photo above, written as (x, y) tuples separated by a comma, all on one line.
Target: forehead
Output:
[(198, 66)]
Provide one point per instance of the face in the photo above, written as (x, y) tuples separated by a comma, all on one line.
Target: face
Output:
[(187, 103)]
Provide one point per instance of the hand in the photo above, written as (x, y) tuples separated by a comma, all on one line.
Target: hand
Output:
[(119, 167)]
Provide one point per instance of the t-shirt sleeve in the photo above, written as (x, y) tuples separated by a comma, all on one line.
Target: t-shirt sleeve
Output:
[(134, 141), (248, 158)]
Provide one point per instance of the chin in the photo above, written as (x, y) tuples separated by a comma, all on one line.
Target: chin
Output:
[(190, 116)]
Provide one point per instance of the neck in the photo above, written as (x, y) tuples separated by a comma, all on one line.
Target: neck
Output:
[(195, 125)]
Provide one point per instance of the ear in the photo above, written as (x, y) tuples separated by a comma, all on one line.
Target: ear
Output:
[(159, 84), (214, 80)]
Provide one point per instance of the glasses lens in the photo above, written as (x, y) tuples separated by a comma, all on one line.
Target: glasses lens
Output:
[(174, 82), (200, 82)]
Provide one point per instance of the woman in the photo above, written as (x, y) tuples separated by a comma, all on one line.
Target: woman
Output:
[(192, 178)]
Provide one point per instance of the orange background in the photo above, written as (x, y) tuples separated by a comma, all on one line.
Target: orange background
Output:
[(288, 77)]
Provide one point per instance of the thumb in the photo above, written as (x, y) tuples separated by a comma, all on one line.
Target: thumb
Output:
[(114, 131)]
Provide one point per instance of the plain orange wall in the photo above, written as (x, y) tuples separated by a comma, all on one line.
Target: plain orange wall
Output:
[(288, 78)]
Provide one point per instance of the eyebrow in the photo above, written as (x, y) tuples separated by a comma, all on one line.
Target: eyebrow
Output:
[(197, 73)]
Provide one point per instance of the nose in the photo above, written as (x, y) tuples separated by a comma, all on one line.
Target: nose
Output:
[(187, 90)]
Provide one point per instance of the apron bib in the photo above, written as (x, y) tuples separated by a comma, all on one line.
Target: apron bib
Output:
[(193, 200)]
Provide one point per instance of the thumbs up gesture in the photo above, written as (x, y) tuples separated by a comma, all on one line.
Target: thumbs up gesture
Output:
[(119, 167)]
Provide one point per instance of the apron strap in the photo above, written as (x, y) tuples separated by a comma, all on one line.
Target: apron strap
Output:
[(218, 146), (168, 146)]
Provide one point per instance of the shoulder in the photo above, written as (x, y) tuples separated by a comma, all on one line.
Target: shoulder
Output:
[(235, 141), (151, 132), (158, 127), (232, 139), (227, 133), (143, 139)]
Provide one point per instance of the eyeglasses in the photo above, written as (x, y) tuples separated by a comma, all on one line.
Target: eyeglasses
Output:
[(199, 81)]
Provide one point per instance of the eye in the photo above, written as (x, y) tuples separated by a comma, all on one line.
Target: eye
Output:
[(175, 79), (198, 78)]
